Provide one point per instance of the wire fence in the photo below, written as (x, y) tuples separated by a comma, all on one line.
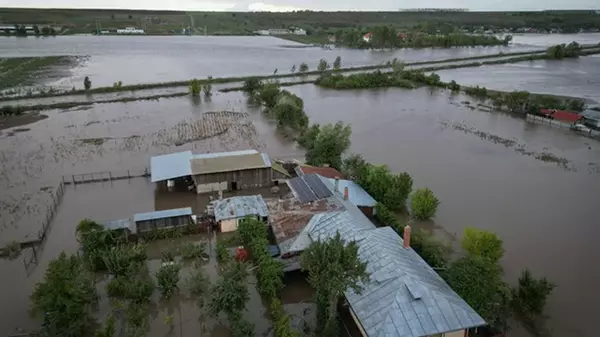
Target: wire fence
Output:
[(42, 234), (95, 177)]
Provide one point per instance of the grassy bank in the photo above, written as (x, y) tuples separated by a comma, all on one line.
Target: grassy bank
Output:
[(22, 71)]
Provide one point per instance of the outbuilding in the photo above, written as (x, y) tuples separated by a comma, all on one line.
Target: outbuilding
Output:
[(230, 211), (148, 222)]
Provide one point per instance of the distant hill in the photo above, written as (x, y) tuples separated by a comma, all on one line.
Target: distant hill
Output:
[(167, 22)]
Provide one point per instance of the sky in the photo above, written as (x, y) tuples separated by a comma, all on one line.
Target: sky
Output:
[(322, 5)]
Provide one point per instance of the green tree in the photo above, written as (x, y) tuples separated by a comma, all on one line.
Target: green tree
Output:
[(517, 101), (268, 94), (479, 282), (289, 111), (329, 145), (531, 295), (337, 64), (36, 30), (333, 267), (354, 166), (303, 68), (323, 66), (230, 294), (252, 85), (108, 330), (195, 87), (423, 204), (455, 87), (390, 189), (64, 297), (86, 225), (293, 70), (87, 83), (484, 244)]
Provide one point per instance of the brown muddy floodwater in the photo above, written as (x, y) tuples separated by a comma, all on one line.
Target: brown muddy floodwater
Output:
[(536, 186)]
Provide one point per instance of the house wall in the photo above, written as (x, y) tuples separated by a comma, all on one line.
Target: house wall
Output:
[(150, 225), (245, 179), (368, 211), (229, 225), (458, 333)]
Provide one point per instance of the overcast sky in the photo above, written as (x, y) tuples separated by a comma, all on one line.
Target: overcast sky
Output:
[(288, 5)]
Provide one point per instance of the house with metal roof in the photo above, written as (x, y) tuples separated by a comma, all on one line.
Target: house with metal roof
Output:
[(327, 172), (230, 211), (591, 118), (220, 171), (148, 222), (404, 296)]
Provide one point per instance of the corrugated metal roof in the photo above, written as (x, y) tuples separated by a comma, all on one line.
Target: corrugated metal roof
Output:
[(223, 154), (356, 194), (405, 297), (170, 166), (117, 224), (591, 114), (226, 163), (239, 207), (169, 213), (566, 116)]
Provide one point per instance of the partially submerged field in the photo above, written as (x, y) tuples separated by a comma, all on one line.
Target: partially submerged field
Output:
[(107, 137), (26, 71)]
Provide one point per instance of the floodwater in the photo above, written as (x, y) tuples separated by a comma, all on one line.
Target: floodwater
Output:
[(536, 186), (570, 77), (148, 59)]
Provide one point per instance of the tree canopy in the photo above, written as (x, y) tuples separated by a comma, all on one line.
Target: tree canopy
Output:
[(326, 144), (484, 244), (423, 204), (333, 266)]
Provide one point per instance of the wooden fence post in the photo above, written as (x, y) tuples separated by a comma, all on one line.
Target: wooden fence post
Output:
[(109, 176), (128, 175), (73, 179)]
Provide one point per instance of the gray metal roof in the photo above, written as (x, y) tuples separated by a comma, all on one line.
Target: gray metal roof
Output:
[(223, 154), (170, 166), (169, 213), (228, 163), (405, 297), (591, 114), (239, 207), (117, 224), (356, 194)]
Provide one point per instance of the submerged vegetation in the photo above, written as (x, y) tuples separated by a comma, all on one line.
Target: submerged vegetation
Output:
[(22, 71)]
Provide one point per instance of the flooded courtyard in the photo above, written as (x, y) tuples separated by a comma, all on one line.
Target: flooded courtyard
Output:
[(537, 187)]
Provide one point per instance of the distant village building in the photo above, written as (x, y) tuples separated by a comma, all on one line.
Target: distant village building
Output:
[(230, 211), (131, 30), (221, 171), (278, 31), (299, 31)]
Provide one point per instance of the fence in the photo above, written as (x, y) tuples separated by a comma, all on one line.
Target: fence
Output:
[(42, 234), (95, 177)]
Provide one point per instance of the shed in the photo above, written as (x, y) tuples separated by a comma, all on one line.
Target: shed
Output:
[(115, 225), (235, 170), (150, 221), (170, 166), (229, 211)]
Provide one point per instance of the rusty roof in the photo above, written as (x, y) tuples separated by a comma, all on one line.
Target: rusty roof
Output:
[(328, 172), (289, 216)]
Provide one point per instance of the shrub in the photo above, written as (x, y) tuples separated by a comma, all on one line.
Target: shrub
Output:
[(9, 110), (167, 278), (530, 296), (131, 287), (207, 87), (454, 86), (198, 283), (480, 92), (195, 87), (337, 64), (323, 66), (191, 251), (423, 204)]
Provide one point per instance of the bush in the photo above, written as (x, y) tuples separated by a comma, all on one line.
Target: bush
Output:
[(9, 110), (198, 283), (207, 87), (195, 87), (423, 204), (289, 111), (131, 287), (191, 251), (375, 79), (454, 86), (480, 92), (167, 278), (323, 66), (530, 296), (268, 95)]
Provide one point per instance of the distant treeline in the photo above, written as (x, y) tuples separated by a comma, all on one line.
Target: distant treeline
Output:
[(80, 20), (389, 37)]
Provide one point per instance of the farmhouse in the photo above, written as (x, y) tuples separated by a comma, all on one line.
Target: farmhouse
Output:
[(230, 211)]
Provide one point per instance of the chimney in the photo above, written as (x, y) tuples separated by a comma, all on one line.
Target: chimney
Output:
[(345, 193), (337, 184), (406, 236)]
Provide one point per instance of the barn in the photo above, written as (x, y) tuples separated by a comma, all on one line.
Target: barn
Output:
[(219, 171)]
